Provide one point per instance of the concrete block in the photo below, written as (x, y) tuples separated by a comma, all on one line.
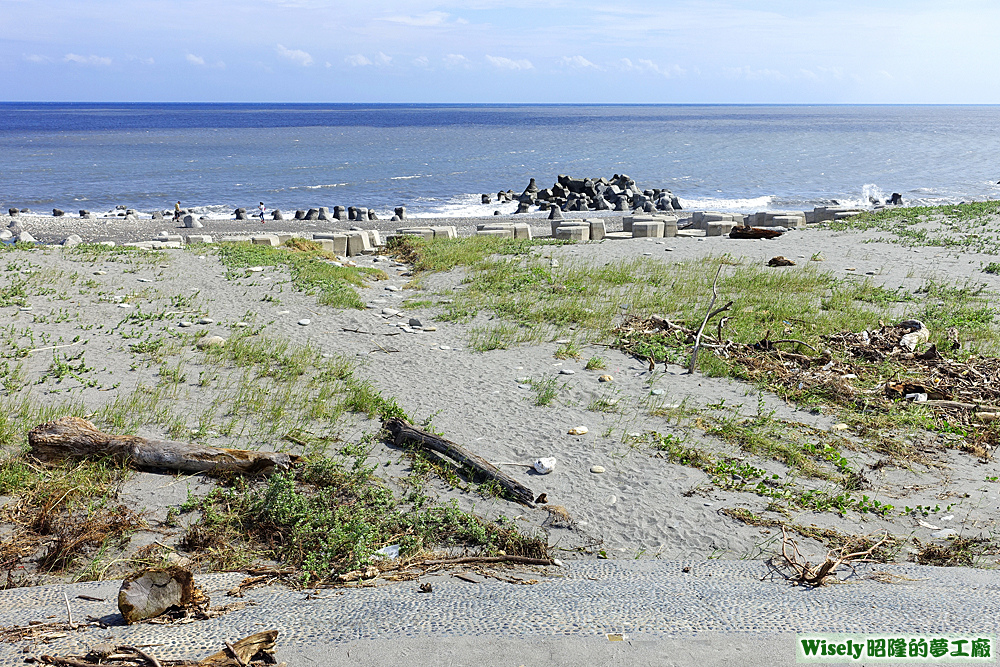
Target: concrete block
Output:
[(522, 230), (266, 239), (597, 230), (627, 223), (177, 238), (374, 238), (669, 225), (556, 224), (647, 229), (199, 238), (358, 243), (426, 232), (235, 239), (504, 233), (445, 232), (718, 228), (573, 232), (284, 238), (789, 221), (618, 236)]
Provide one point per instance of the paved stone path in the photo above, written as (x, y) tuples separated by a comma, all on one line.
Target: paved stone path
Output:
[(715, 609)]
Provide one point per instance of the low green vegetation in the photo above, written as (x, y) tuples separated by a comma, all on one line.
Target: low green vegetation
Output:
[(333, 516), (312, 269), (968, 227)]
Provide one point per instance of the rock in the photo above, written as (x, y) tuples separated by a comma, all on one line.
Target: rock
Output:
[(338, 213), (210, 341), (312, 214), (578, 430), (555, 213), (5, 235), (12, 212), (401, 212), (150, 593), (415, 322), (486, 199), (84, 213), (780, 261), (58, 212), (240, 213), (276, 215), (523, 207), (157, 215), (185, 323), (597, 470), (605, 378), (304, 322), (323, 213), (657, 392), (25, 237), (206, 320), (532, 188), (72, 240), (390, 312), (372, 215), (300, 214), (567, 371)]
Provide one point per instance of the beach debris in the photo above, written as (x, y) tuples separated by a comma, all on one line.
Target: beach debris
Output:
[(76, 438), (780, 261), (402, 432), (426, 587), (801, 572), (578, 430), (711, 313), (542, 499), (918, 333), (150, 593), (390, 552), (605, 378), (755, 233), (545, 465)]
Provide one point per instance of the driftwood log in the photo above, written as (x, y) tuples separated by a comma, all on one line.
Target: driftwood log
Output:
[(754, 233), (75, 438), (401, 432)]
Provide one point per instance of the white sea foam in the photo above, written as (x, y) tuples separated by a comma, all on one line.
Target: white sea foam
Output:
[(747, 205)]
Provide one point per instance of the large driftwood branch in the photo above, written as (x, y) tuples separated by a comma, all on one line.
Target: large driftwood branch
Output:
[(75, 438), (401, 432)]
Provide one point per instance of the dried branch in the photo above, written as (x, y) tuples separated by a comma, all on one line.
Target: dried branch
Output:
[(710, 315)]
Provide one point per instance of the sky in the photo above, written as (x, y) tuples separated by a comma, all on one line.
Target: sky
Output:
[(501, 51)]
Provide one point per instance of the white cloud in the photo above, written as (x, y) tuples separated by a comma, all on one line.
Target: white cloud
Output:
[(383, 59), (143, 61), (646, 65), (425, 20), (87, 60), (35, 58), (195, 60), (328, 64), (751, 74), (457, 60), (506, 63), (422, 61), (578, 62), (357, 60), (295, 55)]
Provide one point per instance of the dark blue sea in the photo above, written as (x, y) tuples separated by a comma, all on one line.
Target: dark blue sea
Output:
[(438, 159)]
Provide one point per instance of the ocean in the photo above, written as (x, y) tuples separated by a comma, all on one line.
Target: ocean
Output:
[(437, 160)]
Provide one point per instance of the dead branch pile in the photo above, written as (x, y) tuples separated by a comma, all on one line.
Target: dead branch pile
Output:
[(257, 649), (803, 573), (966, 390)]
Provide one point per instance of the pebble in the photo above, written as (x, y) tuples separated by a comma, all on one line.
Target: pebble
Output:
[(578, 430), (523, 380), (124, 305), (391, 288), (242, 325), (524, 386), (390, 312), (839, 427), (605, 378), (144, 280), (255, 269), (24, 309), (648, 253), (869, 273), (185, 323), (305, 322), (415, 322), (657, 392), (567, 371), (597, 470), (443, 347), (563, 341), (431, 328), (668, 249), (947, 532), (100, 273), (206, 320), (612, 500)]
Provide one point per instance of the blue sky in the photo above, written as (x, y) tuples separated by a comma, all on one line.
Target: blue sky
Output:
[(577, 51)]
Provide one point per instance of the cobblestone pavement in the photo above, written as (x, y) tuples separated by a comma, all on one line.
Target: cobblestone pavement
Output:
[(711, 613)]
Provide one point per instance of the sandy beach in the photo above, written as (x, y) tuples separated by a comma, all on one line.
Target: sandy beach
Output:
[(115, 337)]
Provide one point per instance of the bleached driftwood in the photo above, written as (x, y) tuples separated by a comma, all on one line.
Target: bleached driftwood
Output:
[(75, 438)]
